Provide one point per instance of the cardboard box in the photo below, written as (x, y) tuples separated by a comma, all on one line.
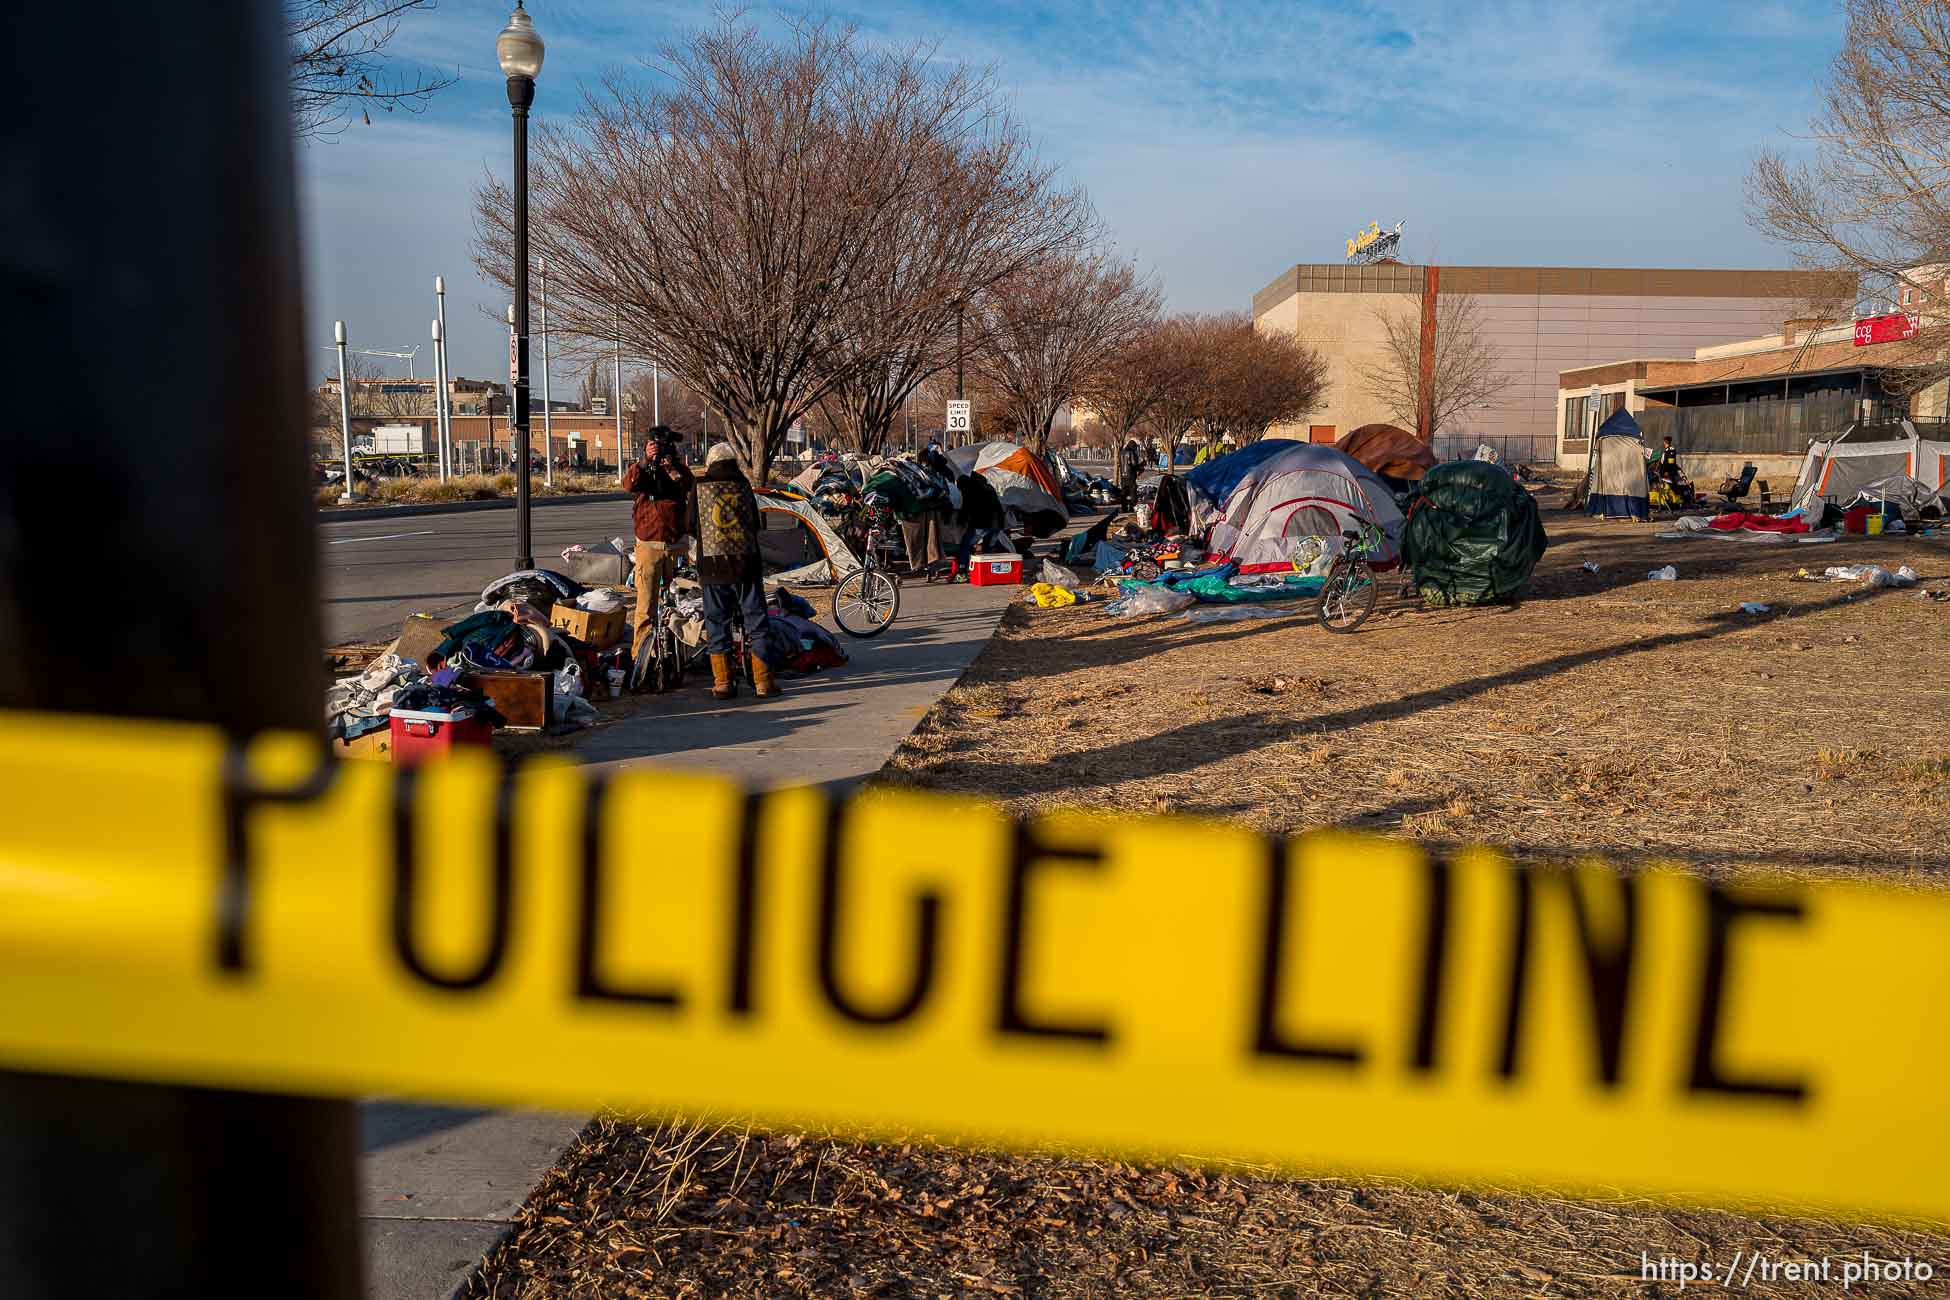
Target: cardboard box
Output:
[(522, 698), (419, 635), (1002, 570), (600, 628)]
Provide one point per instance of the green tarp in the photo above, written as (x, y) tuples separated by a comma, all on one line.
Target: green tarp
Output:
[(1473, 534)]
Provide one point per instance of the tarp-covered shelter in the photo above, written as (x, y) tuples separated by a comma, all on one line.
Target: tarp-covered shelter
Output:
[(1257, 503), (1473, 534), (1028, 488), (1394, 453), (1839, 469), (1615, 482), (798, 545)]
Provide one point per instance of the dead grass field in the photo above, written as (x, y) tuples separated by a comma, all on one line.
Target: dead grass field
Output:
[(1605, 712)]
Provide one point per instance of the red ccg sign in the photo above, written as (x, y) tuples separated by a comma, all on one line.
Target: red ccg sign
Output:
[(1884, 329)]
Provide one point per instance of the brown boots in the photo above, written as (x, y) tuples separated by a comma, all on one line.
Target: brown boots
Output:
[(763, 683), (724, 685)]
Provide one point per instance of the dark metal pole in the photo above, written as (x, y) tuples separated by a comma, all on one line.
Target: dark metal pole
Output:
[(521, 93), (958, 392), (204, 516)]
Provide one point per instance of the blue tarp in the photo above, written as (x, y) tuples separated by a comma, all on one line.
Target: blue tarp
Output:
[(1215, 479)]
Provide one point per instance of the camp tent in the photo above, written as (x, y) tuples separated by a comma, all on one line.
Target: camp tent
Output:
[(1394, 453), (1615, 483), (1839, 469), (1259, 501), (798, 545), (1028, 488)]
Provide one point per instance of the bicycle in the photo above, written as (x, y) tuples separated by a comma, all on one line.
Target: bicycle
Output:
[(866, 600), (1348, 594)]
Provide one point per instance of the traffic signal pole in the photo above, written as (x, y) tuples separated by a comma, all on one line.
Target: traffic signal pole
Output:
[(174, 226)]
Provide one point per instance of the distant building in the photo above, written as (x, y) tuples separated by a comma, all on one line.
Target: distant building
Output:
[(1758, 399), (1542, 319)]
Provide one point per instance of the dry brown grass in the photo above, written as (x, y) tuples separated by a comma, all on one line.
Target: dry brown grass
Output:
[(1603, 713), (464, 487), (680, 1210)]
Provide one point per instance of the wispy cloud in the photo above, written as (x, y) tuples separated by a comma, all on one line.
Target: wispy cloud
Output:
[(1220, 142)]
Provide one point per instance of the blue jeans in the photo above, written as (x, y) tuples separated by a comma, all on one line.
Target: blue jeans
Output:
[(985, 536), (724, 602)]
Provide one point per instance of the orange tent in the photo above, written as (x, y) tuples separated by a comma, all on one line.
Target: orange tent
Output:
[(1388, 450)]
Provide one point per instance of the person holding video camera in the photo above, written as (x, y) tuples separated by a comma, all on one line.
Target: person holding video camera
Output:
[(663, 504)]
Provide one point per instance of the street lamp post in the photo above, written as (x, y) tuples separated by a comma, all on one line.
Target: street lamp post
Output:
[(519, 49), (345, 412), (617, 381), (445, 406)]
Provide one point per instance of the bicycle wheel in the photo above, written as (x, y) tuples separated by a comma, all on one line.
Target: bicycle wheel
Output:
[(865, 602), (1348, 596)]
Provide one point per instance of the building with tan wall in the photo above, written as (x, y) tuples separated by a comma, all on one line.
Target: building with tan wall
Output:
[(1542, 320)]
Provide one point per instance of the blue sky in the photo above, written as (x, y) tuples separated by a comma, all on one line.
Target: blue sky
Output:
[(1221, 143)]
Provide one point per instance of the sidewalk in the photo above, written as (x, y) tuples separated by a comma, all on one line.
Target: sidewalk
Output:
[(439, 1185)]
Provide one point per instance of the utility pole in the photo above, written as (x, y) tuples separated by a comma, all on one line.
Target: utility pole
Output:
[(617, 380), (110, 1187), (548, 410), (345, 411)]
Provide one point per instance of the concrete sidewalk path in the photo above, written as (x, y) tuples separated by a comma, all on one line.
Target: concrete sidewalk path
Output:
[(440, 1185), (835, 728)]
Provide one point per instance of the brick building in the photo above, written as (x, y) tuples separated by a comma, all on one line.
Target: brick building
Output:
[(1543, 321)]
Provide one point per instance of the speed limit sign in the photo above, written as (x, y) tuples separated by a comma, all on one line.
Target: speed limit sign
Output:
[(958, 417)]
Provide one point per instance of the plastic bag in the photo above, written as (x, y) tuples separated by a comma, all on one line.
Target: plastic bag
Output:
[(1873, 574), (1231, 613), (1667, 574), (1152, 600), (600, 600), (1050, 597), (1057, 576)]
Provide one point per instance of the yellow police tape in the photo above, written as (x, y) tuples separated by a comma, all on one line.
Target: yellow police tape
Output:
[(172, 908)]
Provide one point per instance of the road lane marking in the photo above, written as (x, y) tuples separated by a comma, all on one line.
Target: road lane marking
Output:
[(383, 537)]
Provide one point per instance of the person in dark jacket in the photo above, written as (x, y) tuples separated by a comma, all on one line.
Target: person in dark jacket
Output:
[(731, 570), (663, 502), (1130, 463), (981, 517)]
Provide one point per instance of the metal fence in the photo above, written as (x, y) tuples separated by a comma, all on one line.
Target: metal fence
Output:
[(1532, 448), (1768, 426)]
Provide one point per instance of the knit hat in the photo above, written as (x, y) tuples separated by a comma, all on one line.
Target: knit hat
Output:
[(720, 451)]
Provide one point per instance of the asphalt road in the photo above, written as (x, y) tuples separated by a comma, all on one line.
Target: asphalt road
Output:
[(375, 572)]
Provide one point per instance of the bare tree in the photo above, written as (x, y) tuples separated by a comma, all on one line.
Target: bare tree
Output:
[(377, 395), (743, 210), (1257, 379), (339, 65), (1132, 381), (1874, 205), (1465, 372), (1048, 328)]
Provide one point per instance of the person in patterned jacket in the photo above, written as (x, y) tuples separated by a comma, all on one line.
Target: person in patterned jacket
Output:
[(730, 570)]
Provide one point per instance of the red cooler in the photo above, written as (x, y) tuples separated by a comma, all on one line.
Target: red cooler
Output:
[(419, 734), (1003, 570)]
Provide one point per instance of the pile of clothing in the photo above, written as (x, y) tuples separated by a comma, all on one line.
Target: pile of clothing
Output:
[(794, 642), (1223, 584), (357, 706), (832, 486)]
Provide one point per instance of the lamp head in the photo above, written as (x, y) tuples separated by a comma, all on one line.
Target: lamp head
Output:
[(519, 46)]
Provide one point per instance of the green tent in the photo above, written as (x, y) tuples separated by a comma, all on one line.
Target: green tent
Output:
[(1473, 534)]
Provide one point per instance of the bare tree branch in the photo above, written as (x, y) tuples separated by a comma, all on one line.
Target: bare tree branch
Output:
[(1874, 205), (339, 65), (1466, 371), (1048, 328)]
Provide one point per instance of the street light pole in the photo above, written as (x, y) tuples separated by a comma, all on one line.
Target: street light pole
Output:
[(439, 401), (345, 412), (446, 402), (519, 49)]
